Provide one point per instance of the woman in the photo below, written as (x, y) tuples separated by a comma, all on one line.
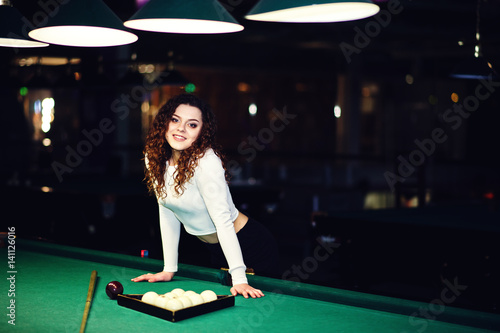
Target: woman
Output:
[(186, 173)]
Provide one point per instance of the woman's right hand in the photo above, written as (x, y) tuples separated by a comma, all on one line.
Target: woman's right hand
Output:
[(149, 277)]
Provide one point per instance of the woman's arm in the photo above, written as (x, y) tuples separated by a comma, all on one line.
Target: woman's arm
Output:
[(211, 182), (212, 185), (170, 229)]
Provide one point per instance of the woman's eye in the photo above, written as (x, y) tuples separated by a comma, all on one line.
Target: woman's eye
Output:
[(174, 120), (193, 125)]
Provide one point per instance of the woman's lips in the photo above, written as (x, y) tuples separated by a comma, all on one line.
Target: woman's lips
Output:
[(178, 137)]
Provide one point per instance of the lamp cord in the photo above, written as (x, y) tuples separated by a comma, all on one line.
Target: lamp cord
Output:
[(477, 48)]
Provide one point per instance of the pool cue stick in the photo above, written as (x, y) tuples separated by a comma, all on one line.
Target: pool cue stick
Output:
[(90, 295)]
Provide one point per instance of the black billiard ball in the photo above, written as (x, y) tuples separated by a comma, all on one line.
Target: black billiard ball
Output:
[(113, 289)]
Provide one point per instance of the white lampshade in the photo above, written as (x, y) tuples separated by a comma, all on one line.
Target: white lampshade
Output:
[(312, 11), (88, 23), (13, 28), (184, 16)]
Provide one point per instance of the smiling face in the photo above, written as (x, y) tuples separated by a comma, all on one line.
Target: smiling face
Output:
[(184, 128)]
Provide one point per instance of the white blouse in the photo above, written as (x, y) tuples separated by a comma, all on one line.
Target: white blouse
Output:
[(205, 207)]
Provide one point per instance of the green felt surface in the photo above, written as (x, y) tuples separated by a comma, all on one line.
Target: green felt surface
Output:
[(51, 291)]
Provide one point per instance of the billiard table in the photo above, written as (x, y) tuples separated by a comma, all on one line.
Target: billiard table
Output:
[(49, 284)]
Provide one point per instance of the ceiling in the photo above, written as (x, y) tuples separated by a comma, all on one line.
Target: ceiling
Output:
[(423, 35)]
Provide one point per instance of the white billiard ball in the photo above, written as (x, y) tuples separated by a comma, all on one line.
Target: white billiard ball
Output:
[(173, 304), (170, 295), (196, 299), (149, 297), (178, 291), (186, 302), (161, 301), (208, 296), (188, 293)]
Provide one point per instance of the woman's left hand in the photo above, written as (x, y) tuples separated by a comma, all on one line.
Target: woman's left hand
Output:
[(246, 290)]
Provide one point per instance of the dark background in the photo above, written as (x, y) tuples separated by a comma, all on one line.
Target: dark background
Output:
[(318, 180)]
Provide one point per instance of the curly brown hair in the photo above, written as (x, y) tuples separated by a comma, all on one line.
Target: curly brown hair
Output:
[(157, 151)]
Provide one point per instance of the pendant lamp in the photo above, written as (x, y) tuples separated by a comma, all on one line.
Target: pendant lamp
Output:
[(87, 23), (184, 17), (14, 28), (312, 11)]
